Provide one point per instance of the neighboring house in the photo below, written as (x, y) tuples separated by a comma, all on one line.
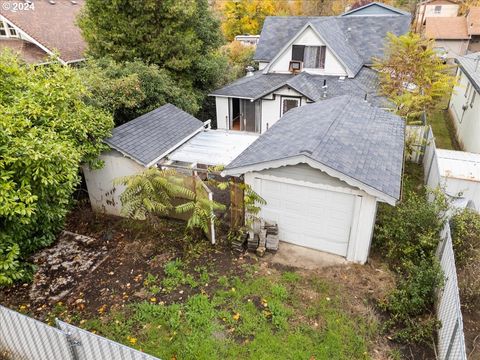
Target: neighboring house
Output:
[(322, 169), (465, 102), (303, 60), (41, 28), (473, 23), (434, 8), (165, 135), (375, 9), (248, 40), (450, 34)]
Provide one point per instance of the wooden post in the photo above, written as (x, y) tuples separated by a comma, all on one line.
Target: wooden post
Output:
[(237, 213)]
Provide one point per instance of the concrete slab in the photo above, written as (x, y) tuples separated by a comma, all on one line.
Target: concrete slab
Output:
[(303, 258)]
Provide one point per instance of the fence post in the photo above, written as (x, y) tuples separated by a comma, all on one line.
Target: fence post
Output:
[(71, 341), (452, 339)]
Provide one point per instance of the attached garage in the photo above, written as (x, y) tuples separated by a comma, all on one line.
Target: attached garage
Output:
[(322, 169)]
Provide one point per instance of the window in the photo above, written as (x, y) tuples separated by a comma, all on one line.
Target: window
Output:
[(313, 57), (3, 30), (289, 104), (438, 9), (12, 30)]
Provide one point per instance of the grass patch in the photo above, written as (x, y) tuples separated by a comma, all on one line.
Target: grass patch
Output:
[(443, 130), (257, 316)]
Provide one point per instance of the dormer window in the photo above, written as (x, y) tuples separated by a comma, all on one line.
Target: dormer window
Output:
[(7, 30), (313, 57)]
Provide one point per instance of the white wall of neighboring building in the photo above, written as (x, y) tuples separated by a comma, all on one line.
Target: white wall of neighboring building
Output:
[(350, 212), (467, 122), (262, 65), (104, 195), (454, 48), (308, 38)]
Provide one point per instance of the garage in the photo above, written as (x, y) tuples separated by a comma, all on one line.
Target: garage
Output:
[(325, 226), (322, 169)]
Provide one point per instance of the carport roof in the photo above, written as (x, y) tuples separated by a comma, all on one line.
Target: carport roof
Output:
[(343, 136)]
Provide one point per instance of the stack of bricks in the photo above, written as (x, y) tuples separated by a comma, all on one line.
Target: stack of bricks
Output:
[(271, 236)]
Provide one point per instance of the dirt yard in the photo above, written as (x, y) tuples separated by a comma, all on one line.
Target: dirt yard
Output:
[(117, 263)]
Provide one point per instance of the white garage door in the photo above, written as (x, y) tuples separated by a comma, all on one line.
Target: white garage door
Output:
[(310, 217)]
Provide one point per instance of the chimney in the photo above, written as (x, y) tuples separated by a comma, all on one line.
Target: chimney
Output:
[(250, 70)]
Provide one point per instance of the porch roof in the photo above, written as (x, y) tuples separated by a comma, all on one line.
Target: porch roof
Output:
[(213, 147)]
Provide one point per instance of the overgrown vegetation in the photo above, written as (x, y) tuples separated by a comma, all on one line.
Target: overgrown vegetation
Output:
[(250, 317), (407, 236), (413, 77), (46, 132), (465, 227)]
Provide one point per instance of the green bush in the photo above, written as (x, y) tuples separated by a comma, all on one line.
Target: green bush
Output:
[(409, 232), (465, 226)]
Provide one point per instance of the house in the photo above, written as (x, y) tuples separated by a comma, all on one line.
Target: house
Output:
[(450, 34), (166, 135), (42, 28), (322, 169), (434, 8), (464, 104), (375, 9), (304, 60), (473, 23), (248, 40)]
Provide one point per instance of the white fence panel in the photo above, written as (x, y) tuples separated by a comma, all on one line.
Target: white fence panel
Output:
[(88, 346), (451, 340), (25, 338), (415, 138)]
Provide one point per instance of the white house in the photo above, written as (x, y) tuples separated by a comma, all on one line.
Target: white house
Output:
[(304, 60), (434, 8), (464, 104), (322, 169)]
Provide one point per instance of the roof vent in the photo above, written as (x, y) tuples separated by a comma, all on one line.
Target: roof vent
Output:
[(324, 87), (250, 70), (51, 2), (74, 2)]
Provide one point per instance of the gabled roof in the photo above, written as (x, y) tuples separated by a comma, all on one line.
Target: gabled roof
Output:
[(451, 28), (473, 19), (152, 136), (52, 26), (351, 37), (362, 10), (343, 136), (470, 65), (259, 85)]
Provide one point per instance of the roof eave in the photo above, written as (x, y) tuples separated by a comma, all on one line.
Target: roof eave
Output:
[(298, 159)]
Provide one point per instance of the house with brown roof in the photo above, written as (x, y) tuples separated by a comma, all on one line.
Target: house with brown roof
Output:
[(434, 8), (40, 28), (457, 35), (449, 33)]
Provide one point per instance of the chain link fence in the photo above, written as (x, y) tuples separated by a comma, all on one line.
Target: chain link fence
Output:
[(24, 338)]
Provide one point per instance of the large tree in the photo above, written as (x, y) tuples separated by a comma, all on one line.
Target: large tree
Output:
[(46, 132), (412, 76), (130, 89), (181, 36)]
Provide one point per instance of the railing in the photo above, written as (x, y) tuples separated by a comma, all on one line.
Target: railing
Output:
[(24, 338)]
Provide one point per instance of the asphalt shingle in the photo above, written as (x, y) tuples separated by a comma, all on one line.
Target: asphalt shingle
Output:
[(470, 65), (151, 135), (344, 133)]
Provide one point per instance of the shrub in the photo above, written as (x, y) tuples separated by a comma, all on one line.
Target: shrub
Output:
[(465, 226), (409, 232)]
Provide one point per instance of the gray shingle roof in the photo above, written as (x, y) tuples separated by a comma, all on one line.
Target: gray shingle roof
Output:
[(364, 40), (345, 134), (151, 135), (471, 69), (362, 10), (259, 85)]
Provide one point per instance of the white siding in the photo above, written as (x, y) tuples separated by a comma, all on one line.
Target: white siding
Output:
[(221, 104), (467, 122), (341, 215), (309, 38), (262, 65), (104, 196)]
